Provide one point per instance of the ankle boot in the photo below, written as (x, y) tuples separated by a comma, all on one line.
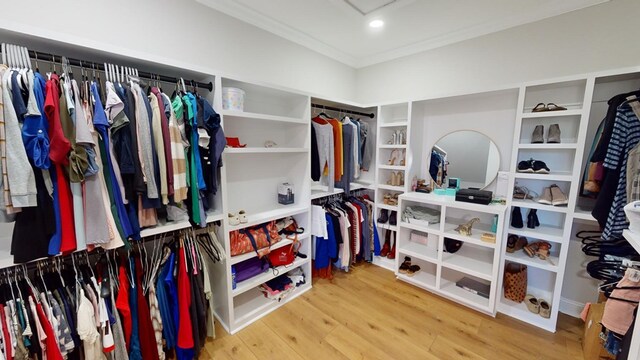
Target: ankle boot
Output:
[(537, 136), (553, 137), (384, 216), (392, 254), (531, 223), (516, 218), (387, 243), (393, 218)]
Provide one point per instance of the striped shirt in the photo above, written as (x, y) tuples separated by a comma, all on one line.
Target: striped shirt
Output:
[(626, 135)]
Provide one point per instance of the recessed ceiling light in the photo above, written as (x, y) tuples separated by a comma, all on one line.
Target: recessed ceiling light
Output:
[(376, 24)]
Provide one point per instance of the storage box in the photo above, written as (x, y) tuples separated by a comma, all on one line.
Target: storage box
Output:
[(232, 99), (285, 194), (592, 344)]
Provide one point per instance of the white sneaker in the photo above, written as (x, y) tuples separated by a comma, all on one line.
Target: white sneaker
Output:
[(242, 216), (234, 219)]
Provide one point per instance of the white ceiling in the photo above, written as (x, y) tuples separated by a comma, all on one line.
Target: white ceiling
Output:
[(339, 28)]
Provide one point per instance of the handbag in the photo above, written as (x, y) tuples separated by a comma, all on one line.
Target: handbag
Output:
[(285, 255), (515, 282), (249, 268), (418, 238), (412, 214), (258, 238), (451, 245)]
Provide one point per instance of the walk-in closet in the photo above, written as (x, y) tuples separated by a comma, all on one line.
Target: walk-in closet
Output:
[(341, 179)]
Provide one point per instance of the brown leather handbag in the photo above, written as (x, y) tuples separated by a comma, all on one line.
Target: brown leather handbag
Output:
[(258, 238), (515, 282)]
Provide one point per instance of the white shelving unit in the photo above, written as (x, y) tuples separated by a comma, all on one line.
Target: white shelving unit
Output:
[(545, 277), (251, 176), (393, 118), (440, 270)]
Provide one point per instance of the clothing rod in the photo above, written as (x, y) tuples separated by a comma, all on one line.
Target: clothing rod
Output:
[(90, 65), (331, 108)]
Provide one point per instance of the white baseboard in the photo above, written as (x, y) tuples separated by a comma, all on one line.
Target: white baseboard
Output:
[(571, 307)]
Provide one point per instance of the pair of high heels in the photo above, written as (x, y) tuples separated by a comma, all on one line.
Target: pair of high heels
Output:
[(397, 179), (394, 156), (532, 218), (399, 137), (390, 199)]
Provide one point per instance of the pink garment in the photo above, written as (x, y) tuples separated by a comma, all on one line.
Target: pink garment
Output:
[(585, 311), (618, 315)]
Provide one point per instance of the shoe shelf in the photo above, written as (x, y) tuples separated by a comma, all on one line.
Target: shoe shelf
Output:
[(255, 281), (471, 260), (393, 146), (476, 259), (392, 167), (395, 124), (520, 312), (544, 232), (426, 277), (234, 115), (532, 204), (546, 114), (279, 212), (391, 187), (569, 145), (387, 226), (551, 264), (552, 176), (284, 241), (419, 251), (387, 207)]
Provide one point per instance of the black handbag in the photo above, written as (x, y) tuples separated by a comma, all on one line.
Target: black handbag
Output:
[(451, 245)]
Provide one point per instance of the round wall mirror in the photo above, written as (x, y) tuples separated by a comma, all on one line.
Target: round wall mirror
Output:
[(464, 159)]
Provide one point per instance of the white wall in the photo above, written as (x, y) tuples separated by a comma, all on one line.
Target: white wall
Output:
[(183, 34), (593, 39)]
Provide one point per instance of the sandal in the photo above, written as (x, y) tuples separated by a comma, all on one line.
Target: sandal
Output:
[(387, 199), (413, 269), (392, 157), (406, 264), (554, 107), (539, 249), (532, 304), (404, 154), (515, 243), (540, 108)]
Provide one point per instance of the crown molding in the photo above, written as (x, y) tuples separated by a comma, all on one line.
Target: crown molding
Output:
[(558, 8), (258, 19), (244, 13)]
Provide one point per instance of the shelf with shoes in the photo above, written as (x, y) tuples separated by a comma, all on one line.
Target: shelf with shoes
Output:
[(474, 259), (275, 127), (425, 275), (418, 244), (551, 127), (541, 286)]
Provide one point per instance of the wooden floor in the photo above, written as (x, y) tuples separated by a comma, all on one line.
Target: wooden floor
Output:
[(368, 314)]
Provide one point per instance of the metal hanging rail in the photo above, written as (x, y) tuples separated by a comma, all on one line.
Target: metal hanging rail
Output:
[(90, 65), (353, 112)]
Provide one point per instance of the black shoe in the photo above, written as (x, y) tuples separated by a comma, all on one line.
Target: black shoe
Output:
[(540, 167), (393, 218), (531, 222), (516, 218), (384, 216), (526, 166)]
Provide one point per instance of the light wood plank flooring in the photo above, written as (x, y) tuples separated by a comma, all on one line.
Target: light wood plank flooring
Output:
[(368, 314)]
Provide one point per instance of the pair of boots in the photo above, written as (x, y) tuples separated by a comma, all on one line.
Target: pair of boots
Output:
[(387, 250), (384, 217), (553, 136), (532, 218)]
